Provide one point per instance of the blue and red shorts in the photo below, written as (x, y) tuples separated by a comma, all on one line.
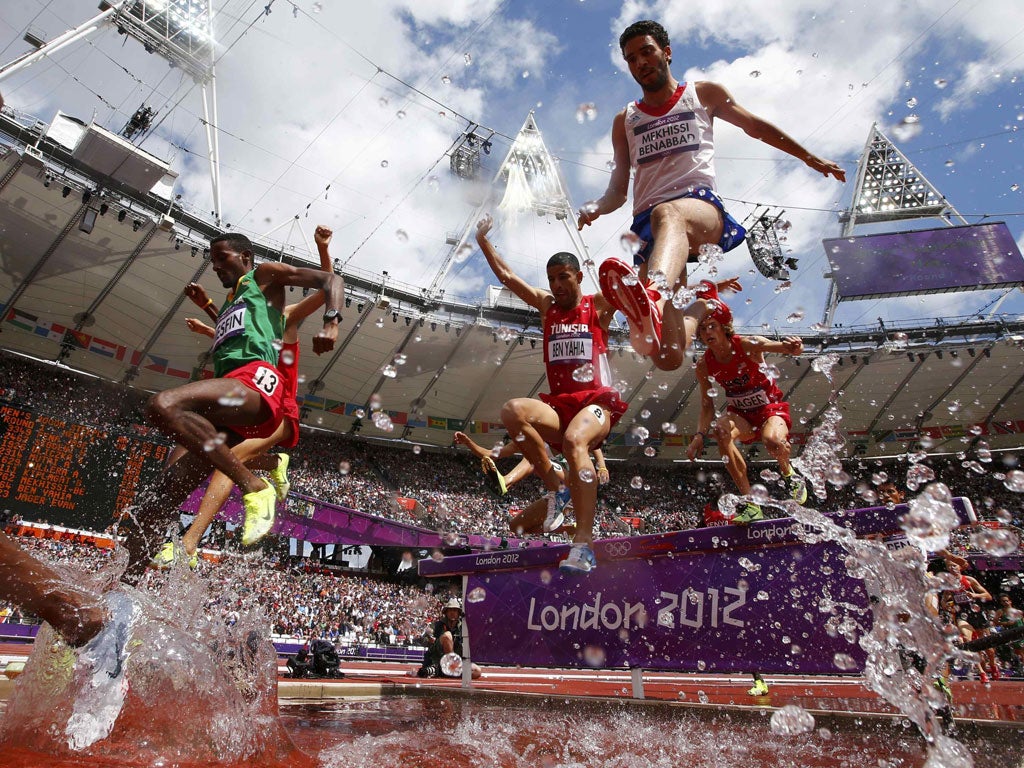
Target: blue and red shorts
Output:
[(264, 379), (732, 231)]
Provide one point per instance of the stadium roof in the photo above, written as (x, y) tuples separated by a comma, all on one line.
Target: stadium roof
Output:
[(109, 301)]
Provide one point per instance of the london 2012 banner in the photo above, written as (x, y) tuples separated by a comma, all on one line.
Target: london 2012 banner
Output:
[(788, 608)]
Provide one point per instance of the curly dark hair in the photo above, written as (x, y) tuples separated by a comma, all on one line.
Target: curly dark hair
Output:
[(646, 27), (235, 240)]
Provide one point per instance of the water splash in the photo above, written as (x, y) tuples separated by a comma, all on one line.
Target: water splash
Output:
[(199, 692)]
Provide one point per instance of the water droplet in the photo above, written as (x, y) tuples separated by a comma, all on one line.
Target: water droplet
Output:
[(344, 467), (382, 421), (586, 112), (384, 163), (476, 595), (1014, 187), (940, 83), (233, 399), (390, 371), (668, 428), (911, 102), (755, 73), (795, 317), (1014, 481), (467, 58), (594, 656), (401, 235), (610, 165), (710, 253), (636, 483), (790, 720), (641, 433), (433, 183), (417, 450), (445, 80), (526, 73), (950, 163), (400, 114), (584, 373), (318, 7), (650, 451), (907, 128), (999, 542), (214, 442), (587, 475), (630, 243)]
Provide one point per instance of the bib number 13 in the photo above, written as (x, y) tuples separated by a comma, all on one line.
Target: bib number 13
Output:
[(266, 379)]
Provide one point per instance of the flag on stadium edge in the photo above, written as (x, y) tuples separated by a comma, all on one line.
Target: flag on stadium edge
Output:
[(106, 348), (22, 320), (159, 364), (50, 330), (435, 423), (77, 339)]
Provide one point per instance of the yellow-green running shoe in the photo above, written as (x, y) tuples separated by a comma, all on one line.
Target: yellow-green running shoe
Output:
[(260, 509), (279, 476), (750, 513), (164, 558), (760, 688)]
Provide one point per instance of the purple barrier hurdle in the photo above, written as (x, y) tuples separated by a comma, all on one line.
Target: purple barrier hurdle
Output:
[(723, 599)]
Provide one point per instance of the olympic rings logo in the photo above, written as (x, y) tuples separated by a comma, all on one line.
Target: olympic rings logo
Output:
[(618, 548)]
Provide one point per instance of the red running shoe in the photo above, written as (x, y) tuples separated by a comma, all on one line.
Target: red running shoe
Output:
[(621, 286)]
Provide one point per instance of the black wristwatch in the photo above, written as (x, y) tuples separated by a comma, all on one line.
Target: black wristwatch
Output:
[(332, 314)]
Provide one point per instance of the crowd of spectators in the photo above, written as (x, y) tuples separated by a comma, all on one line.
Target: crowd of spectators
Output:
[(644, 495), (298, 599)]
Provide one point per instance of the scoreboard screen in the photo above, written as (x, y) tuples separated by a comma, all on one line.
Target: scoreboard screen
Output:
[(71, 474)]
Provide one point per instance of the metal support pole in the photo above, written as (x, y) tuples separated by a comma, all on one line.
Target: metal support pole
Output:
[(62, 41)]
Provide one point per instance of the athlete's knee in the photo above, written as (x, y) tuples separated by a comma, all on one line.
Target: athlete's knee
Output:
[(723, 435), (776, 445), (161, 407), (669, 359), (665, 215), (576, 445), (514, 412)]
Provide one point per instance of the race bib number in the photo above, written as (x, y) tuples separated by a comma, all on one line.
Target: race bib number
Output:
[(598, 413), (666, 136), (266, 380), (231, 323), (748, 401), (573, 347)]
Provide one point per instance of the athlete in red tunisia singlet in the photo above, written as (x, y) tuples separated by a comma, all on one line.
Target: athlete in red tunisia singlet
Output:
[(755, 407), (581, 409)]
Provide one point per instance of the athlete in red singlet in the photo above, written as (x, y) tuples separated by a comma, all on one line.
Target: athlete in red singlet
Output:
[(256, 452), (755, 410), (581, 409)]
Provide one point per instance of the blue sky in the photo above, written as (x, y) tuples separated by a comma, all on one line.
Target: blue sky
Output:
[(302, 105)]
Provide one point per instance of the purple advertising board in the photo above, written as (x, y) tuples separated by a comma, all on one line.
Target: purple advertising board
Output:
[(727, 599), (320, 522), (970, 258), (706, 611)]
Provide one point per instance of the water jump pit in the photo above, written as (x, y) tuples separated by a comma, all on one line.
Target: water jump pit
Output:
[(649, 681)]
